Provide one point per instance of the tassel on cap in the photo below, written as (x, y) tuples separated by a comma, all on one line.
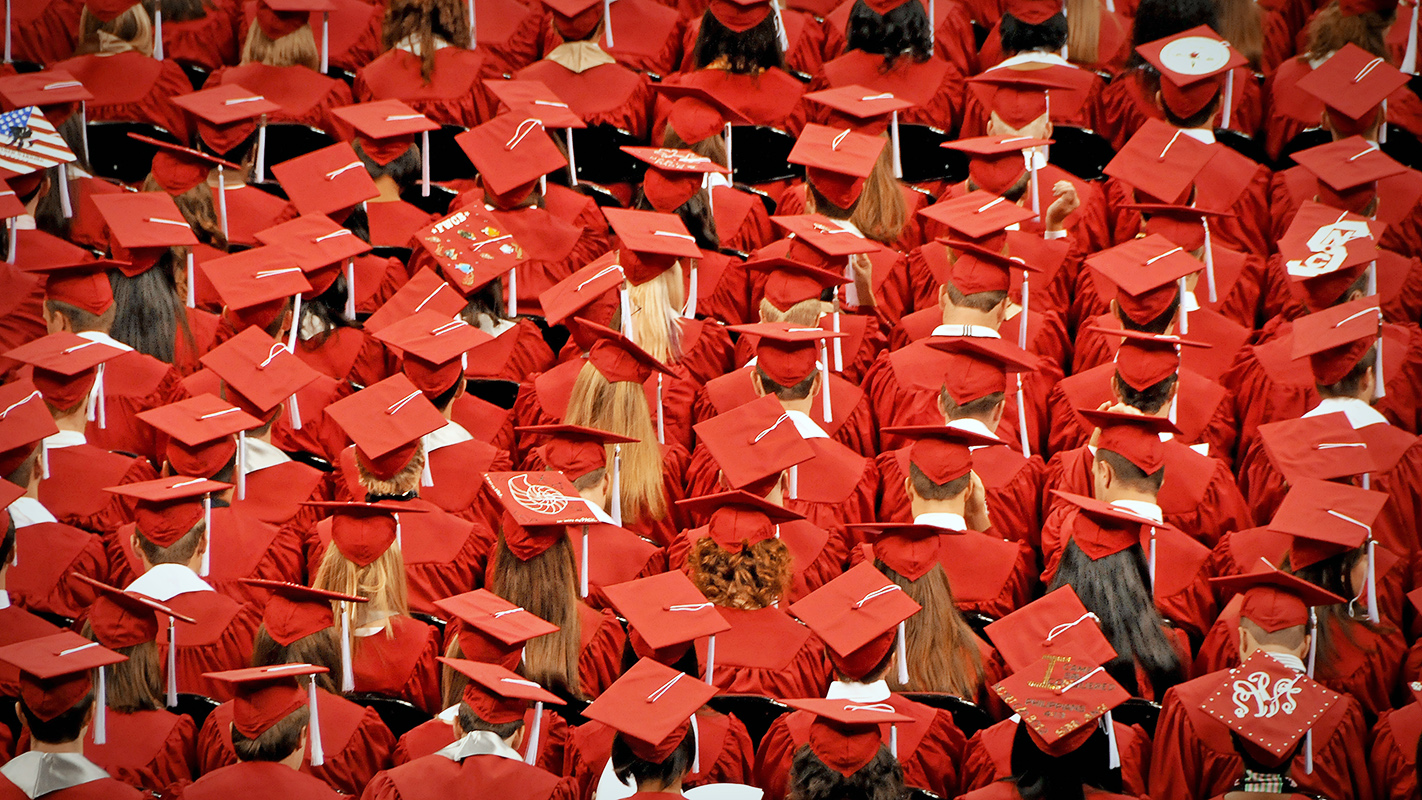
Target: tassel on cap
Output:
[(172, 688), (295, 411), (513, 293), (690, 311), (347, 670), (65, 206), (572, 159), (696, 739), (206, 568), (295, 324), (261, 150), (241, 465), (158, 33), (1022, 419), (661, 422), (826, 407), (101, 703), (607, 22), (325, 43), (424, 163), (350, 289), (313, 731), (192, 283), (711, 660), (1113, 751), (901, 654), (617, 485), (1372, 582), (531, 757), (583, 572)]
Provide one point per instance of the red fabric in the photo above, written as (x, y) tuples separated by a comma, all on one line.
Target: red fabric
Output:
[(74, 492), (209, 41), (816, 557), (402, 665), (21, 312), (834, 488), (771, 98), (601, 642), (132, 86), (220, 639), (305, 97), (850, 422), (647, 34), (725, 749), (148, 750), (1127, 102), (863, 341), (44, 31), (1014, 486), (476, 776), (1069, 106), (766, 652), (249, 210), (1237, 185), (237, 779), (49, 552), (617, 556), (18, 625), (609, 94), (987, 758), (934, 86), (102, 789), (1393, 757), (807, 40), (432, 736), (1398, 206), (355, 31)]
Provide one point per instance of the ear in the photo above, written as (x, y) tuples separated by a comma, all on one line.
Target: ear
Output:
[(1159, 102), (1116, 310), (1108, 475), (938, 403), (756, 385), (997, 413), (1116, 393), (908, 488), (943, 301)]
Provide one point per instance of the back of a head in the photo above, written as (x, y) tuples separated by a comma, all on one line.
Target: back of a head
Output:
[(811, 779), (275, 743), (1040, 776), (745, 53), (942, 648), (547, 586), (756, 577), (628, 767), (904, 31), (130, 30), (297, 48), (622, 408)]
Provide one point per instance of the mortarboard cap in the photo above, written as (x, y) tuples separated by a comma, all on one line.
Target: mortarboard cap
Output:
[(1348, 171), (362, 532), (1325, 519), (786, 352), (1192, 65), (531, 98), (1134, 437), (264, 696), (977, 214), (584, 292), (433, 346), (1103, 529), (326, 181), (278, 18), (538, 507), (1161, 162), (493, 629), (650, 706), (1034, 12), (47, 88), (617, 358), (256, 284), (122, 619), (753, 444), (141, 226), (1268, 731), (1335, 339), (294, 611), (942, 452), (202, 433), (738, 519), (836, 161), (1323, 447), (655, 241), (1327, 250), (65, 365), (510, 151), (314, 243), (1180, 224), (1017, 96), (789, 282), (857, 615), (574, 450), (996, 163), (257, 372), (166, 509), (1274, 599), (977, 366), (1058, 694), (696, 113), (223, 113), (846, 734), (386, 421), (82, 284), (497, 695), (426, 291), (178, 169), (1146, 273), (386, 128), (665, 613), (24, 421), (739, 15), (979, 269), (673, 176), (1055, 622), (825, 235), (908, 549), (866, 110), (54, 670), (1145, 359), (1352, 83)]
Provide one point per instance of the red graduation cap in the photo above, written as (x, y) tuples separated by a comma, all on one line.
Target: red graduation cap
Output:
[(257, 372), (471, 248), (588, 293), (426, 291), (294, 611), (54, 670), (1181, 224), (46, 88), (859, 615), (493, 629), (574, 450), (978, 214), (1348, 171), (977, 366), (1145, 359), (1192, 65), (386, 421), (1060, 693), (532, 98), (1269, 731), (785, 352), (256, 284), (789, 282), (1335, 339), (362, 532), (1146, 273), (511, 152), (861, 103), (387, 128), (202, 433), (141, 226), (1034, 12), (655, 241), (278, 18), (1135, 437), (979, 269), (326, 181), (1017, 96), (222, 113), (996, 163), (24, 421), (1327, 250), (538, 507), (942, 452), (836, 161), (738, 519), (696, 113), (665, 613), (178, 169), (617, 358), (825, 235), (1325, 519), (314, 242), (166, 509), (1274, 599), (753, 444), (651, 706), (434, 347), (264, 696), (65, 366), (1352, 83), (910, 550), (1161, 162), (1056, 622), (125, 619), (83, 284), (497, 695), (1103, 529), (846, 734), (1325, 447), (739, 15), (673, 176)]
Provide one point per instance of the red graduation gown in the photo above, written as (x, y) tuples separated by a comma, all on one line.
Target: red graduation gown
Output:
[(1113, 44), (221, 639), (250, 210), (355, 31), (48, 553), (18, 625), (21, 312), (953, 38), (210, 41), (74, 491), (1393, 756), (132, 86), (850, 422), (934, 86), (149, 750), (771, 98), (1127, 102), (646, 33), (987, 758), (766, 652), (355, 742), (305, 97), (817, 556), (1195, 756), (44, 31), (400, 661), (1069, 106), (1226, 337), (454, 94), (432, 736), (1007, 790), (1089, 225), (608, 94), (863, 341), (1398, 206), (474, 778), (518, 351), (276, 780), (1237, 185), (929, 749), (616, 555), (742, 224), (723, 744), (805, 53), (1291, 111)]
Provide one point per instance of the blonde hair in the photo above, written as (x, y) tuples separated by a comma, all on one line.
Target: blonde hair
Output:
[(381, 582), (805, 313), (547, 586), (297, 48), (1241, 23), (942, 653), (622, 408), (132, 28), (656, 315), (1084, 30), (406, 480)]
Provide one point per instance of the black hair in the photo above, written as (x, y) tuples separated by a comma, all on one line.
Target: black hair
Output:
[(811, 779), (404, 169), (7, 542), (746, 52), (1150, 399), (65, 727), (905, 31), (627, 766), (148, 314), (328, 308), (1157, 325), (1158, 19), (1020, 37), (1040, 776), (182, 10)]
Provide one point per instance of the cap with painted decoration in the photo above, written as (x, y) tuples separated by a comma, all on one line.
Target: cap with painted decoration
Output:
[(531, 98), (433, 346), (386, 421), (977, 366), (202, 433), (294, 611), (314, 242), (65, 365), (845, 734), (1274, 599), (1103, 529), (426, 291), (1268, 731), (124, 619), (1192, 66), (942, 452), (1335, 339), (1325, 446), (1146, 272), (650, 706), (326, 181), (51, 87), (651, 242), (825, 235), (617, 358), (738, 519), (979, 269), (1325, 519), (665, 613), (258, 373), (1145, 359), (362, 532), (1017, 96), (1348, 171), (1062, 692), (141, 226), (24, 421), (574, 450), (696, 113), (386, 128), (1135, 437), (493, 629), (857, 616), (1055, 622), (739, 15), (1353, 84), (1160, 162), (673, 176), (1034, 12), (166, 509), (511, 152), (788, 282), (178, 169), (264, 696), (996, 164), (223, 114), (868, 111), (978, 214), (836, 161), (1327, 250), (538, 507), (1180, 224), (753, 444), (256, 285), (585, 293), (54, 670), (497, 695), (785, 352), (278, 18), (83, 284)]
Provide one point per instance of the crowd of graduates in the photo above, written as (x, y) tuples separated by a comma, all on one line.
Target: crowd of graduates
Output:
[(623, 398)]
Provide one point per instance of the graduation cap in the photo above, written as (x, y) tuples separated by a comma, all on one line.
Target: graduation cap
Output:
[(1352, 83), (1335, 339), (977, 366), (493, 629), (909, 549), (977, 215), (789, 354), (178, 170), (1134, 437), (24, 422), (979, 269), (68, 367), (1055, 622), (652, 707), (618, 359), (326, 181), (265, 696), (742, 15), (1327, 250), (55, 673), (258, 374), (575, 451), (868, 111), (322, 249), (498, 696), (845, 734), (294, 612), (738, 519), (1348, 171), (1017, 96), (698, 114), (203, 434), (538, 508), (789, 282), (222, 113), (386, 422), (837, 161), (426, 291), (82, 284), (1161, 162), (434, 348), (1103, 529), (997, 163), (753, 444), (825, 235), (942, 452), (1034, 12), (1149, 274), (1194, 66), (1145, 359), (534, 99), (1326, 518), (1186, 226), (278, 18), (45, 88), (859, 615), (511, 153), (256, 284), (1269, 731), (665, 613), (673, 176), (1273, 599), (584, 289), (167, 509), (362, 532), (1324, 446), (141, 227), (387, 131), (120, 619), (1062, 692), (651, 242)]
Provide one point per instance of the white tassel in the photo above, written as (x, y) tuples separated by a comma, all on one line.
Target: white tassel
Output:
[(1381, 391), (241, 465), (901, 654), (325, 41), (689, 312), (572, 159), (1210, 262), (711, 660), (543, 184), (222, 200), (1036, 199), (192, 283), (1113, 757), (350, 289), (1409, 56), (1372, 582), (1228, 113), (729, 163), (206, 567), (513, 292), (583, 573), (894, 144), (347, 668), (84, 128), (399, 542), (607, 22), (424, 163), (834, 325), (1022, 435), (894, 741), (295, 324), (1184, 315), (44, 472), (794, 480), (531, 757), (661, 425), (13, 238), (1308, 752), (1312, 639), (1026, 304), (826, 407), (781, 37), (101, 703), (98, 402), (294, 409), (426, 477), (7, 32), (933, 22), (158, 33), (172, 698), (262, 149), (64, 203), (696, 737), (617, 485), (318, 753), (626, 302), (1152, 560), (473, 40)]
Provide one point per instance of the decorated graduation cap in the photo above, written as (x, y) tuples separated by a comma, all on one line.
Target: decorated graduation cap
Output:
[(255, 286), (1160, 162), (25, 421), (576, 450), (977, 215), (651, 242), (1348, 171), (1060, 696), (977, 366), (1145, 359), (497, 695), (82, 284), (697, 114), (1270, 732), (426, 291), (224, 113), (867, 111), (294, 612), (326, 181), (1149, 274), (652, 707), (738, 519), (538, 508), (322, 249), (1326, 519), (1335, 339), (673, 175), (1194, 65), (1353, 83), (55, 674), (1324, 447), (789, 354), (67, 368), (258, 374), (386, 130), (265, 696), (386, 421), (1055, 622), (846, 735), (512, 153), (204, 435), (859, 616), (753, 444), (363, 531), (942, 452), (434, 347), (1017, 96), (141, 227), (837, 161), (665, 613), (492, 629), (1327, 250)]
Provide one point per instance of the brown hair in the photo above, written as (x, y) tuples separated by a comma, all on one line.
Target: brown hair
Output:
[(132, 26), (754, 578), (1084, 30), (1331, 29), (297, 48), (179, 552), (547, 586), (82, 319), (322, 648), (276, 742), (1242, 25), (926, 488), (136, 684), (622, 408), (426, 21), (981, 407), (199, 210), (880, 213), (942, 650)]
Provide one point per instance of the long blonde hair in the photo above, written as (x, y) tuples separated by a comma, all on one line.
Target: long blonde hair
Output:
[(622, 408), (656, 315), (1084, 30), (131, 30), (381, 582), (297, 48), (547, 586), (942, 653)]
